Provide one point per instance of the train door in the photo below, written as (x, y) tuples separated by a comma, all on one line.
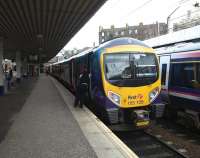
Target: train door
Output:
[(94, 74), (90, 64), (164, 72), (73, 74)]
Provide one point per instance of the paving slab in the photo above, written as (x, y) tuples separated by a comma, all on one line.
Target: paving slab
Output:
[(12, 102), (45, 128), (103, 141)]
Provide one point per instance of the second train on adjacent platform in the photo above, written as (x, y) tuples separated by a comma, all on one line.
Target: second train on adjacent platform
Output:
[(180, 80), (124, 79)]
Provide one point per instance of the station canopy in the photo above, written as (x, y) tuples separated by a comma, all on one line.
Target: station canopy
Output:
[(42, 26)]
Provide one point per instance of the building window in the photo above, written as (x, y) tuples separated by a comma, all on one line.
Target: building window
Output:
[(130, 32), (163, 74), (116, 33), (102, 34), (136, 31), (122, 33), (102, 40)]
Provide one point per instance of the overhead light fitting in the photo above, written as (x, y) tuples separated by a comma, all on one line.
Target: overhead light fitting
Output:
[(39, 36), (40, 49)]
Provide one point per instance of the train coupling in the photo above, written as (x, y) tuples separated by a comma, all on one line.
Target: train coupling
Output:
[(141, 118)]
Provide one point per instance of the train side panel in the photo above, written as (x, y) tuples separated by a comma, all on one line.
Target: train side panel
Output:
[(181, 84), (184, 87)]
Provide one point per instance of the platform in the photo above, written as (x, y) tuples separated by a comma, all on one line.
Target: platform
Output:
[(49, 127)]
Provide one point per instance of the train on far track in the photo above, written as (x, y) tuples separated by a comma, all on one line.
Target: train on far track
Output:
[(180, 69), (124, 79), (179, 57)]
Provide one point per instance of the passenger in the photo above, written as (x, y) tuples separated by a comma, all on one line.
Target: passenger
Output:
[(82, 88), (9, 77), (47, 72)]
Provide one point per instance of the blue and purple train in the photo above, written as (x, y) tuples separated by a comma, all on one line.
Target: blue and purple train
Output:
[(179, 56), (124, 79), (180, 80)]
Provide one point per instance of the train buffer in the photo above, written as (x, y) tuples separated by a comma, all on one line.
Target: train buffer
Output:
[(49, 127)]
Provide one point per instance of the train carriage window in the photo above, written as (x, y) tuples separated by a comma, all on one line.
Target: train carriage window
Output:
[(163, 74), (186, 75)]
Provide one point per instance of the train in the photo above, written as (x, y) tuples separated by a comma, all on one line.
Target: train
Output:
[(124, 79), (179, 57), (180, 80)]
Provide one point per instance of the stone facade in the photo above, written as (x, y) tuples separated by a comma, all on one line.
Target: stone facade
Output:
[(141, 32)]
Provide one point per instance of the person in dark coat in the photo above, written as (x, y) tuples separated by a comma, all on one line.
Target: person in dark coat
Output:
[(82, 88), (9, 77)]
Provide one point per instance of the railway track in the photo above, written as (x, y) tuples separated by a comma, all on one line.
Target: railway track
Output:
[(148, 146)]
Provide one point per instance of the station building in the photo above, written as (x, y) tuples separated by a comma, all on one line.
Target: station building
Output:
[(141, 31)]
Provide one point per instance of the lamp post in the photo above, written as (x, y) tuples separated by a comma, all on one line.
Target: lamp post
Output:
[(168, 19)]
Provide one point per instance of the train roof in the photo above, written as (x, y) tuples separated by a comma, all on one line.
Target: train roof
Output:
[(111, 43), (186, 35), (180, 47), (122, 41), (74, 56), (81, 53)]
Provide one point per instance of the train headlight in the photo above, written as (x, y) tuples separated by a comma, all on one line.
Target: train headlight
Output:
[(153, 94), (114, 97)]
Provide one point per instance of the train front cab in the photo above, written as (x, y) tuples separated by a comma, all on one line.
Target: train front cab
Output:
[(131, 82), (180, 80)]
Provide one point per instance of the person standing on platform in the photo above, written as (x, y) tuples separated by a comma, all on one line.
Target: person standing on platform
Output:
[(9, 77), (82, 88)]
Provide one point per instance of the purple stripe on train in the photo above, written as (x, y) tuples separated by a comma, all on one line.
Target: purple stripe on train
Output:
[(185, 59), (194, 54), (186, 91)]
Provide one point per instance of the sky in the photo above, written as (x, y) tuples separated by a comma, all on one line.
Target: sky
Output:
[(122, 12)]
